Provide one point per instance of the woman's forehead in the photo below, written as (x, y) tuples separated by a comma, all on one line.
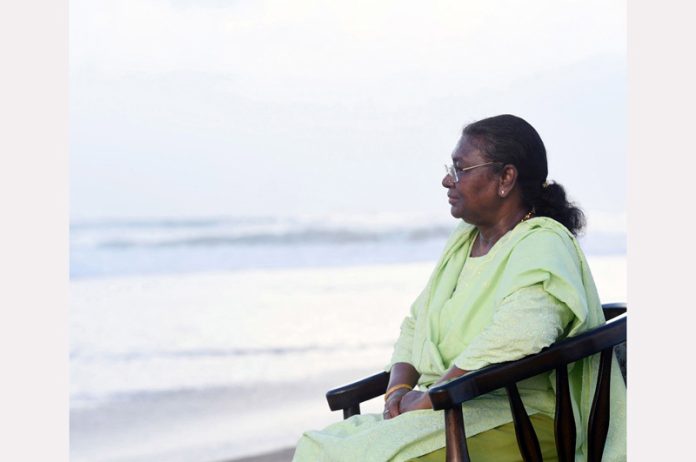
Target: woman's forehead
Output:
[(466, 151)]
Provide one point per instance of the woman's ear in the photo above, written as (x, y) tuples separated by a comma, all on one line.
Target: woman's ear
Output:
[(508, 180)]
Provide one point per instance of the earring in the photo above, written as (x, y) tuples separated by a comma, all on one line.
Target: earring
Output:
[(502, 192)]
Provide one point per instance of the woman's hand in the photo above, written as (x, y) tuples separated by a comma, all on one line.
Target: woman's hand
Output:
[(391, 406), (414, 400)]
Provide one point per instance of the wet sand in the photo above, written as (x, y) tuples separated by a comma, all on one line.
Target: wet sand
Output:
[(283, 455)]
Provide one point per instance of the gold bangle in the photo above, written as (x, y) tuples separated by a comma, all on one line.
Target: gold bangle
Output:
[(396, 387)]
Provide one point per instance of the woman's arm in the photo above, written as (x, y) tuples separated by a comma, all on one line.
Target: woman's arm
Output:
[(524, 323), (403, 375), (402, 379)]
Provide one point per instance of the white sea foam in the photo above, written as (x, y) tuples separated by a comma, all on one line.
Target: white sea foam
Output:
[(133, 334)]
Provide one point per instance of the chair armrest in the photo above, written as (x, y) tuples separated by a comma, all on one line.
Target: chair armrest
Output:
[(496, 376), (612, 310), (355, 393)]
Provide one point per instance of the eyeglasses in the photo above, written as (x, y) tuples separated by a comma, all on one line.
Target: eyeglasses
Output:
[(454, 172)]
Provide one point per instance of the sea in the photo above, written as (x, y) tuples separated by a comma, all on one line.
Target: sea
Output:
[(115, 247)]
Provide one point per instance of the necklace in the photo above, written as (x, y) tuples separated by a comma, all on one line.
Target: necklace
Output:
[(478, 240), (529, 215)]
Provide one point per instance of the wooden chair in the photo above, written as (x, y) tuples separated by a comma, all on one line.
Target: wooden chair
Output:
[(450, 396)]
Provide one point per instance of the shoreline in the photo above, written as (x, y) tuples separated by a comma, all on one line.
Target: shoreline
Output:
[(215, 424)]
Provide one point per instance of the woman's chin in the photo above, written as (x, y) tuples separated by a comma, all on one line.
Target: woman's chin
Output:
[(460, 215)]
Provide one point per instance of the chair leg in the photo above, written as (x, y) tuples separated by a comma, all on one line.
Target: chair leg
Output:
[(455, 436), (599, 415), (564, 424), (351, 411), (526, 436)]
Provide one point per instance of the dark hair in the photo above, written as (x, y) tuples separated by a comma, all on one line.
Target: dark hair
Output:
[(511, 140)]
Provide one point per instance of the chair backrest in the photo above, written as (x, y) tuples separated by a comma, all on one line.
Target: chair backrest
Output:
[(612, 310)]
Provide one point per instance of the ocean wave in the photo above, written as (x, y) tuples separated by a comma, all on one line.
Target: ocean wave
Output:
[(308, 236), (251, 231), (255, 231)]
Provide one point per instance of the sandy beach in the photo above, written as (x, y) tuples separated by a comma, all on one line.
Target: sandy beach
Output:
[(154, 392), (282, 455)]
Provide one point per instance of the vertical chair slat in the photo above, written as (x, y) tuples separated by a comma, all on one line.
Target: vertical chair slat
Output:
[(455, 436), (599, 415), (526, 436), (351, 411), (564, 420)]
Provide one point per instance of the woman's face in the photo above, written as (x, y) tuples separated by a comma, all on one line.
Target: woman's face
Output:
[(474, 198)]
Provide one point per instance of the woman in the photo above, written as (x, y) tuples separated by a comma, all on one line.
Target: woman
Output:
[(511, 281)]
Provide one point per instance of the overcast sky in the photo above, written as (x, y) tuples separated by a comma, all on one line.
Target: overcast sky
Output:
[(194, 108)]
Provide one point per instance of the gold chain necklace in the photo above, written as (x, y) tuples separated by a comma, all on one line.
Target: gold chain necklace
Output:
[(529, 215), (478, 240)]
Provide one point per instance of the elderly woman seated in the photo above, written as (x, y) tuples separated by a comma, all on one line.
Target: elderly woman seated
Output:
[(511, 281)]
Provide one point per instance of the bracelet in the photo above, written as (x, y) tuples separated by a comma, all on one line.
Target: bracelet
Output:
[(396, 387)]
